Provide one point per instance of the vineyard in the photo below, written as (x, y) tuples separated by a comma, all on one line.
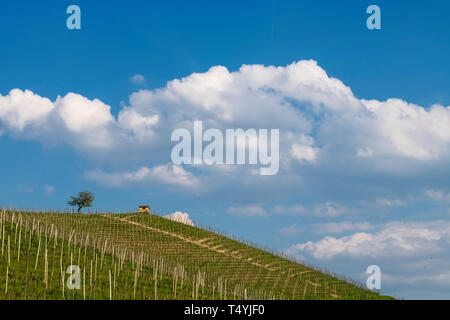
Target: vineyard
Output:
[(146, 256)]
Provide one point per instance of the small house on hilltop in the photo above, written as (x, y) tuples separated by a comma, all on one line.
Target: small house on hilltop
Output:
[(144, 209)]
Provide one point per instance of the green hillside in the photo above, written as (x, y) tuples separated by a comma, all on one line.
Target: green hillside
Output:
[(146, 256)]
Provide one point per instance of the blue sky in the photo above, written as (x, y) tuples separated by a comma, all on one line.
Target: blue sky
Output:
[(367, 168)]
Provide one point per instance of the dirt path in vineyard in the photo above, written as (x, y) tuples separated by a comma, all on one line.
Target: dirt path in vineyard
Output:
[(195, 242)]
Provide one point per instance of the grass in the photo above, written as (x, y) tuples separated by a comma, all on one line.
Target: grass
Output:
[(146, 256)]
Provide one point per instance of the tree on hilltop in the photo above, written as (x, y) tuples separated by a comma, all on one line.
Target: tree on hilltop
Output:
[(83, 200)]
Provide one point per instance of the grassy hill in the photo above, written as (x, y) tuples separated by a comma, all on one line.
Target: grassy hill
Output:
[(146, 256)]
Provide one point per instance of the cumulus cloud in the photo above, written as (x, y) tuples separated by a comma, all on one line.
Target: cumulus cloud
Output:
[(304, 151), (72, 119), (255, 95), (138, 79), (164, 174), (323, 127), (413, 256), (396, 238), (181, 217), (86, 120), (141, 126), (410, 130), (20, 109)]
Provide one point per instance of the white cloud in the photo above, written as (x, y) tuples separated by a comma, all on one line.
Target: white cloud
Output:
[(409, 130), (413, 256), (20, 109), (247, 211), (319, 118), (87, 120), (72, 119), (141, 126), (79, 113), (304, 151), (396, 238), (181, 217), (138, 79), (253, 96), (438, 195), (164, 174)]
